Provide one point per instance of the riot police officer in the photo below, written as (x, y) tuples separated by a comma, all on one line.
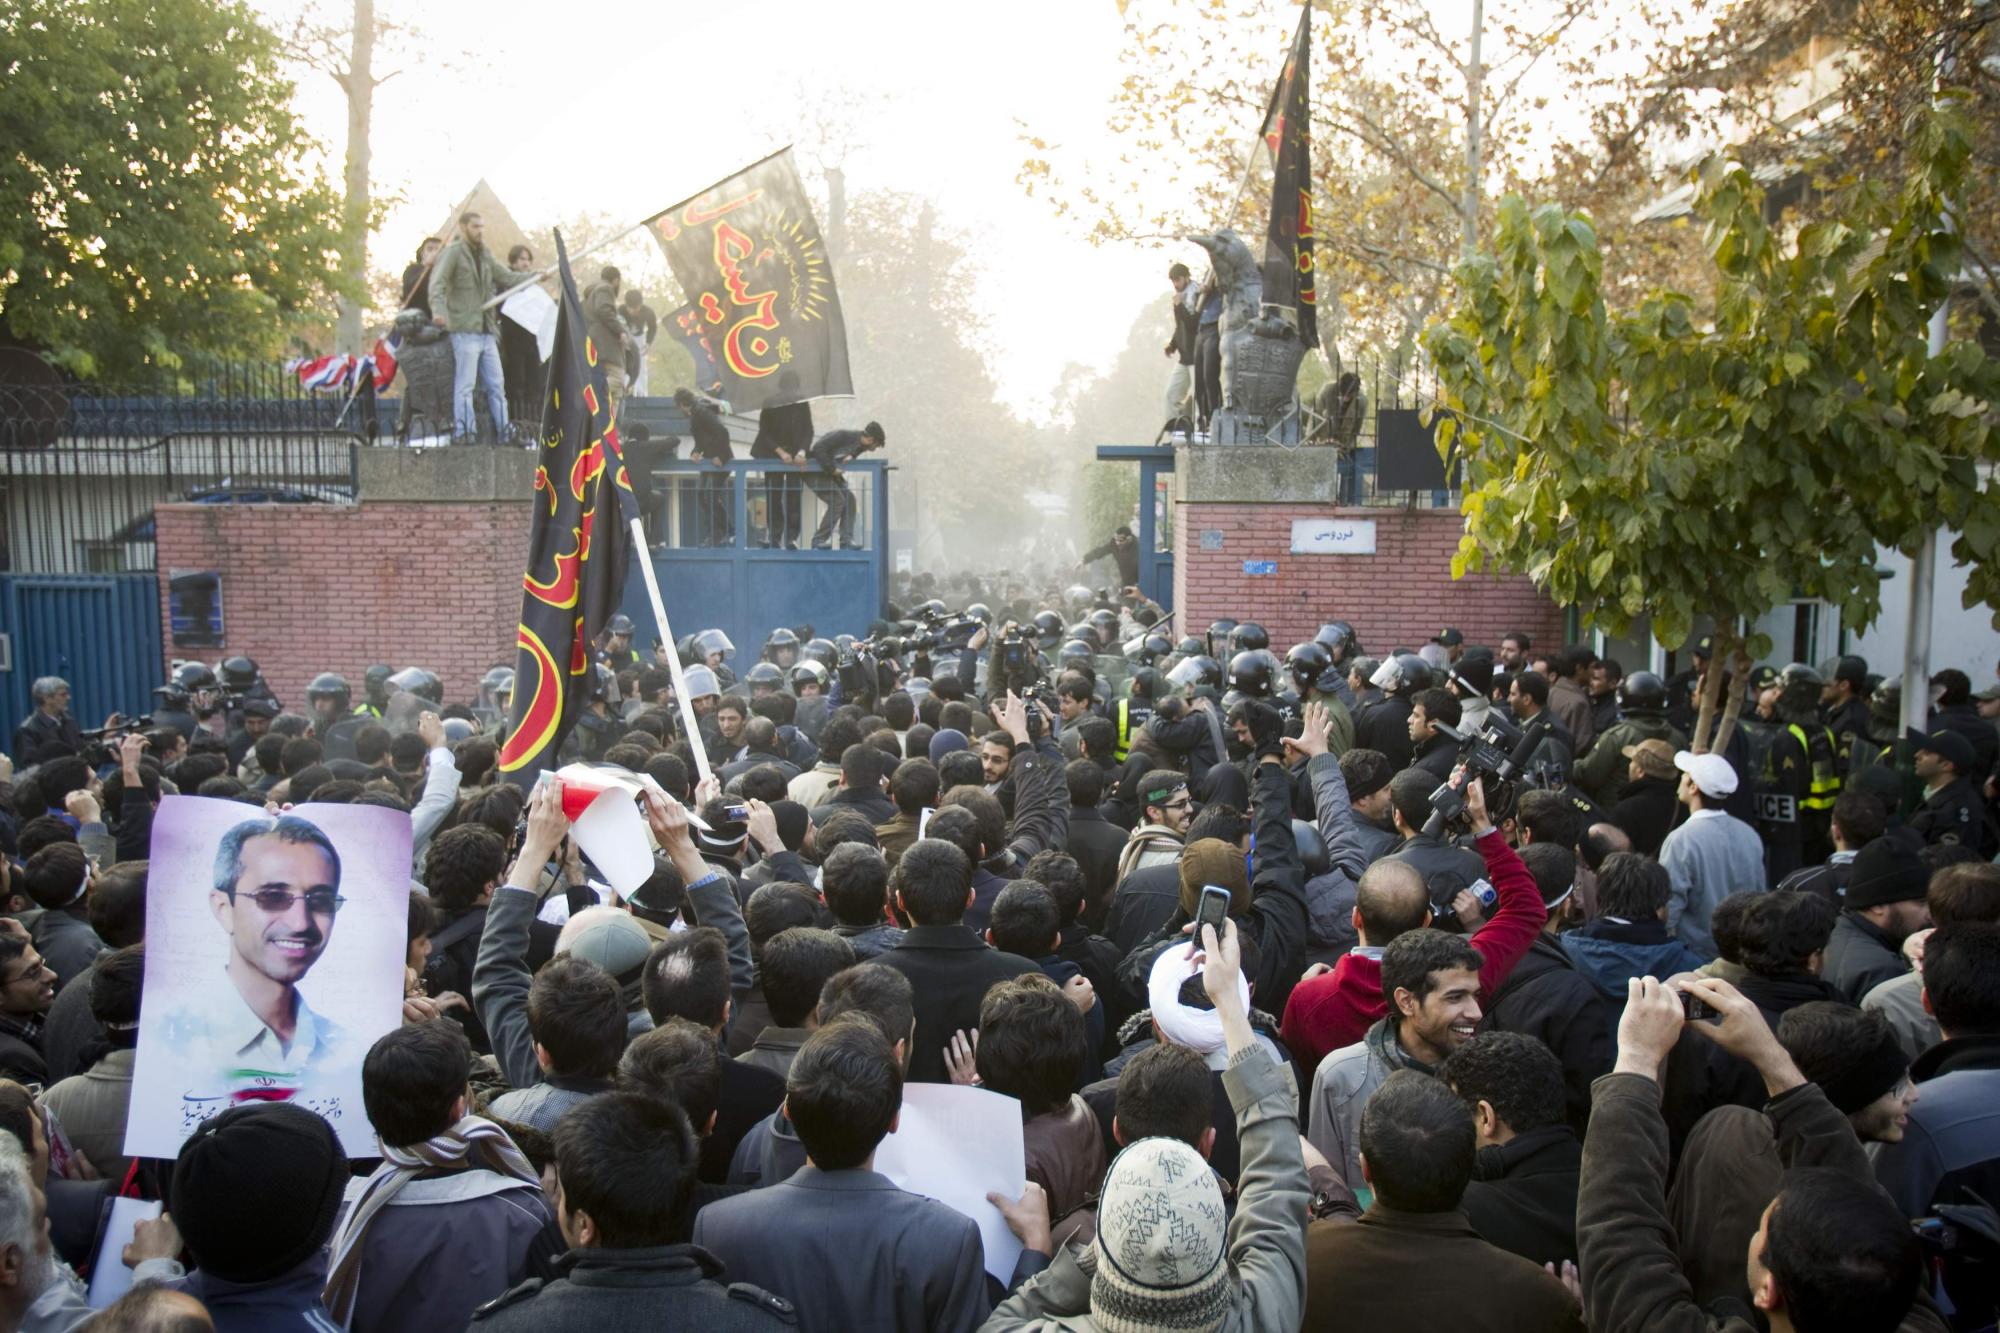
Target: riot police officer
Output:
[(1642, 710), (781, 649), (1844, 705), (1311, 667), (374, 690), (1795, 778), (617, 652), (1385, 725)]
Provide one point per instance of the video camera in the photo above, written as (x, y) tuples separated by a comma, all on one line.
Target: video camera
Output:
[(1483, 757), (100, 746)]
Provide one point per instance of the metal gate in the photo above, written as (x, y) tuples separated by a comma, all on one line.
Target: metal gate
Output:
[(99, 632)]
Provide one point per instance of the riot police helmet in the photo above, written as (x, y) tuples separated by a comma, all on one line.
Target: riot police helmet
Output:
[(821, 651), (620, 624), (781, 647), (422, 683), (1249, 636), (238, 674), (766, 676), (1642, 692), (1250, 673), (331, 686), (1196, 672), (1308, 662)]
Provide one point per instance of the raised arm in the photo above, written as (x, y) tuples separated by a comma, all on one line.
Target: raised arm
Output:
[(707, 891), (1041, 796), (1518, 914), (500, 976)]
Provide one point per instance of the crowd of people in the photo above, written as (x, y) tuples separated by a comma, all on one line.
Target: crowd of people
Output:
[(1449, 987)]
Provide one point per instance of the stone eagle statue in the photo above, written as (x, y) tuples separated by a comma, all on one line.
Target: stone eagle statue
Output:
[(1261, 352)]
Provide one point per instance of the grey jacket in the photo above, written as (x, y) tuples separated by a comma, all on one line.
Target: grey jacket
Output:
[(1859, 957), (1901, 1001), (1330, 896), (668, 1286), (1267, 1236), (445, 1246), (852, 1251), (1341, 1087), (1708, 858)]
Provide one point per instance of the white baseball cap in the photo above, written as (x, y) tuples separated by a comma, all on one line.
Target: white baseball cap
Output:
[(1711, 772)]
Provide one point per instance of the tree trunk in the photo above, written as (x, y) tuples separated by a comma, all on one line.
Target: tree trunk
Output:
[(1739, 685), (360, 88), (1475, 76), (1722, 642)]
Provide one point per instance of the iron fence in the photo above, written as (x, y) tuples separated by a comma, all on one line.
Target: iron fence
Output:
[(83, 467)]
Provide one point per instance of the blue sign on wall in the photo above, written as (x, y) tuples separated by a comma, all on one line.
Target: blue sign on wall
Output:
[(1259, 568)]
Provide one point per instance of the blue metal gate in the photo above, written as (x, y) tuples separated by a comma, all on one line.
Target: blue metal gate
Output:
[(1156, 515), (99, 632), (709, 527)]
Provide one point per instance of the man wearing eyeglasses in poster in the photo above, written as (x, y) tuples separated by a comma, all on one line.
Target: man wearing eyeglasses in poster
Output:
[(276, 892)]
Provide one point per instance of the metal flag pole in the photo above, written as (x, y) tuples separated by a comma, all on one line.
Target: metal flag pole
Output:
[(688, 723)]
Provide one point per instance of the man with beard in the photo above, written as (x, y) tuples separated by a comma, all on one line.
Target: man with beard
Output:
[(1432, 981), (466, 277)]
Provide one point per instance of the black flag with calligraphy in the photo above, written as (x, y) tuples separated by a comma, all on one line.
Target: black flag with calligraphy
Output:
[(749, 256), (579, 548), (1284, 152)]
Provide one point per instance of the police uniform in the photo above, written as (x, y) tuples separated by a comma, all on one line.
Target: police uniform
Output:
[(1955, 814), (1849, 724)]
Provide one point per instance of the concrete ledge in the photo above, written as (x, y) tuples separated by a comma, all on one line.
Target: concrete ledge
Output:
[(1256, 474), (456, 474)]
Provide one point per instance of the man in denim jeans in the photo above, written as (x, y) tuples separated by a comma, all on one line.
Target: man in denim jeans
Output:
[(467, 276)]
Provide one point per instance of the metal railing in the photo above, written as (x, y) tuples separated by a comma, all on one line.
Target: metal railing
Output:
[(751, 504), (83, 467)]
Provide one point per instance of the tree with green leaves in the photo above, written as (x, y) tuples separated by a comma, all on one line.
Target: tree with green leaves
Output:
[(158, 207), (1667, 461)]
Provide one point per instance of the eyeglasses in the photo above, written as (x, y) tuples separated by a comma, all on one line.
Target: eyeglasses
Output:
[(1183, 803), (277, 902)]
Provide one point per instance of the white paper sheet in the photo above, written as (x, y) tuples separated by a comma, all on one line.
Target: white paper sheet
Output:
[(956, 1145), (109, 1277), (534, 310)]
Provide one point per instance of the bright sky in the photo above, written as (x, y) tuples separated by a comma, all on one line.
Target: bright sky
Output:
[(632, 105)]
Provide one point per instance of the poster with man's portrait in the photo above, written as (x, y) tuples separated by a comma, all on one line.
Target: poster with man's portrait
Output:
[(274, 959)]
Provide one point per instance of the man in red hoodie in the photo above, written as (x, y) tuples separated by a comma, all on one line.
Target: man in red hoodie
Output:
[(1333, 1007)]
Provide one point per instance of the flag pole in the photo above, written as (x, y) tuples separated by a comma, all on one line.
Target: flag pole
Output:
[(539, 274), (688, 722)]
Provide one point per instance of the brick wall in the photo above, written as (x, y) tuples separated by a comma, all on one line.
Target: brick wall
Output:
[(1400, 596), (312, 588)]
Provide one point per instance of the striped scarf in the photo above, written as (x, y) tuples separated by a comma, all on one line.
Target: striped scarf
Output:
[(474, 1143)]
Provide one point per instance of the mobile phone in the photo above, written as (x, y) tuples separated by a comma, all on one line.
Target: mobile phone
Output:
[(739, 814), (1212, 910), (1698, 1010)]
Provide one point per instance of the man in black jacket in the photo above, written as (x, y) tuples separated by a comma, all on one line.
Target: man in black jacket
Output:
[(712, 525), (1647, 803), (1523, 1191), (836, 499), (1546, 998), (1123, 548), (1445, 866), (784, 434), (625, 1174), (949, 966)]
